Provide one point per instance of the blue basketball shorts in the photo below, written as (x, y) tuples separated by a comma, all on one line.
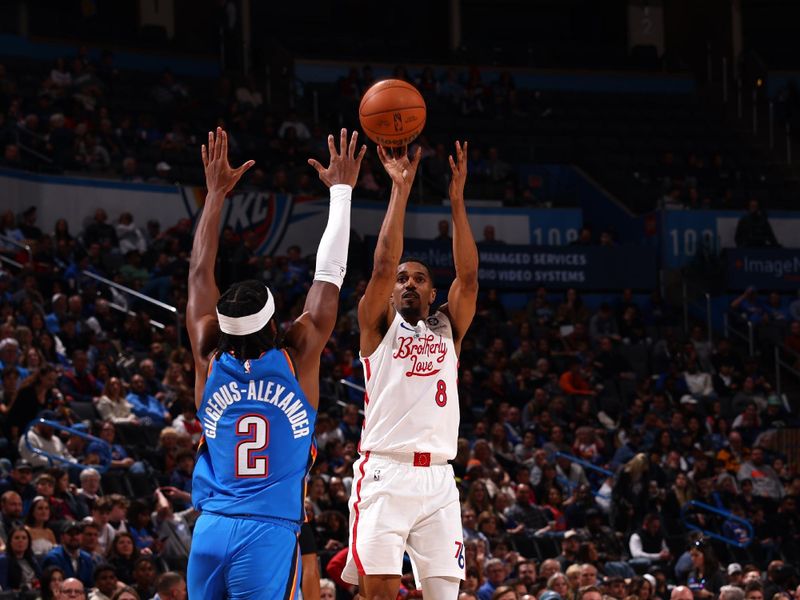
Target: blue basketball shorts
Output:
[(236, 558)]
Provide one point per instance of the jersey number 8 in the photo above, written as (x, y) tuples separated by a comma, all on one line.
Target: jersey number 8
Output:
[(256, 428), (441, 393)]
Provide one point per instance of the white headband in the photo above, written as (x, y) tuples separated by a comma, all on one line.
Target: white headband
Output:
[(249, 323)]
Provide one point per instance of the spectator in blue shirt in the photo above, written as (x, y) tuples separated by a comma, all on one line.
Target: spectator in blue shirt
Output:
[(750, 306), (145, 406), (495, 575), (9, 357), (69, 557)]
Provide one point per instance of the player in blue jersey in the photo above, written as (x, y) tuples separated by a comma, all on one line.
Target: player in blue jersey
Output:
[(257, 398)]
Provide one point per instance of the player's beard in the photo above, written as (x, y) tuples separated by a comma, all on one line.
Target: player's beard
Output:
[(411, 311)]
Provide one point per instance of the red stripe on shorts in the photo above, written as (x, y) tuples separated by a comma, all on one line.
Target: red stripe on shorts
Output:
[(359, 566)]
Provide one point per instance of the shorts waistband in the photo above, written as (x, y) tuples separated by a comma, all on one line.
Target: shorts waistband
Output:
[(291, 525), (415, 459)]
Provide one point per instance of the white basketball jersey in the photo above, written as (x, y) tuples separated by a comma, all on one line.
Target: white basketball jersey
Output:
[(412, 390)]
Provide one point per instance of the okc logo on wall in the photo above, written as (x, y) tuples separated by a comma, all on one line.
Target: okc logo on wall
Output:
[(398, 122), (266, 214), (262, 213)]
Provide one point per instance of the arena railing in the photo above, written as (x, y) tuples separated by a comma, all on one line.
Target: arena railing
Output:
[(586, 465), (780, 363), (55, 458), (12, 262), (353, 386), (704, 309), (144, 297), (746, 333), (728, 515), (18, 244)]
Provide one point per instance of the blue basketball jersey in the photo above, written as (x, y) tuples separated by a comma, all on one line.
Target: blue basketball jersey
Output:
[(258, 439)]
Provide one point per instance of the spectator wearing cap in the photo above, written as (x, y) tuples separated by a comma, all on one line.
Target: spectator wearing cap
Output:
[(69, 557), (149, 410), (551, 594), (735, 576), (19, 481), (42, 437), (163, 175), (776, 415), (570, 544), (53, 319), (9, 357)]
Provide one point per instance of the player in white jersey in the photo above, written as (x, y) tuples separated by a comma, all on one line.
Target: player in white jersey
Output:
[(404, 496)]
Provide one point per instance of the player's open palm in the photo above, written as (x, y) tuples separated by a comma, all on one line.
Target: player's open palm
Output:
[(458, 167), (398, 166), (220, 176), (345, 164)]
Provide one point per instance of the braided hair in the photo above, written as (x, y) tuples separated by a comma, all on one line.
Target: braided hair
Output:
[(242, 299)]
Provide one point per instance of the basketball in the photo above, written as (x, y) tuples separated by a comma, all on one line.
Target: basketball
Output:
[(392, 113)]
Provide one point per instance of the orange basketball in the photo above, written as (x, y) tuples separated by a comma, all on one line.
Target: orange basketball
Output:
[(392, 113)]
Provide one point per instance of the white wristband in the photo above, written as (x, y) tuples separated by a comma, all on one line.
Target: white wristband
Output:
[(332, 253)]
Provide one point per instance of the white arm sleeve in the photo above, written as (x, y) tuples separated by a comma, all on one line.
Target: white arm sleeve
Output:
[(332, 252)]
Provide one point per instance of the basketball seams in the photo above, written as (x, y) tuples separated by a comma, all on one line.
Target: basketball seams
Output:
[(393, 110), (390, 139), (387, 85), (406, 110), (376, 132)]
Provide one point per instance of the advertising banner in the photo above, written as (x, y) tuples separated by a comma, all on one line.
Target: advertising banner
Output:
[(763, 268), (687, 233), (514, 267), (278, 220)]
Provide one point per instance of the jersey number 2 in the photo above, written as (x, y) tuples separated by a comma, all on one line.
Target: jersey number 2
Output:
[(256, 428)]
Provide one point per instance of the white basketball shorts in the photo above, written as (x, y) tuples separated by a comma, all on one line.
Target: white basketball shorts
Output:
[(396, 507)]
